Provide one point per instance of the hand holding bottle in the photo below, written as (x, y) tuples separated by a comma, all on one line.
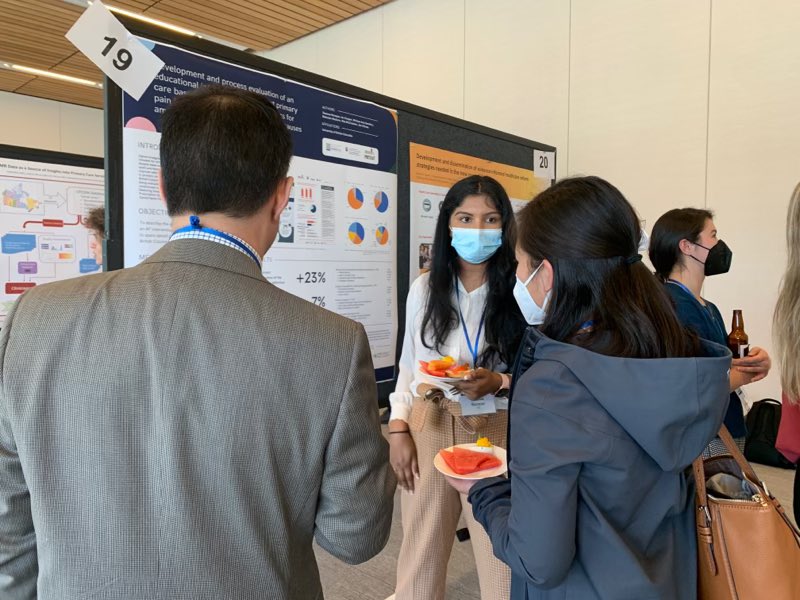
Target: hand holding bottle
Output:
[(755, 366), (749, 364)]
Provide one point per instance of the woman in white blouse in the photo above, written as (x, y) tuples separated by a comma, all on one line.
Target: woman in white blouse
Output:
[(463, 308)]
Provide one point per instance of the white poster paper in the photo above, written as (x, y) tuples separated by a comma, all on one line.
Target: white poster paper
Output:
[(42, 236), (337, 240)]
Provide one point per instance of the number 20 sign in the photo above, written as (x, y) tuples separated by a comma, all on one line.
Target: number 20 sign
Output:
[(106, 42)]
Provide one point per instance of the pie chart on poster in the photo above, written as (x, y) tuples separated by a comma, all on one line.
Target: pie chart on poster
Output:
[(355, 198), (382, 235), (381, 202), (356, 233)]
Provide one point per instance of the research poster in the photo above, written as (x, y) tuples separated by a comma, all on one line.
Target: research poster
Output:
[(42, 236), (433, 172), (336, 245)]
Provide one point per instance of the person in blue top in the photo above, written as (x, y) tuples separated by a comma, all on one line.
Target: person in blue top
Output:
[(684, 250)]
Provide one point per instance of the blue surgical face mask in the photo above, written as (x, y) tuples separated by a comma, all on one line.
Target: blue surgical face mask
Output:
[(531, 312), (476, 245)]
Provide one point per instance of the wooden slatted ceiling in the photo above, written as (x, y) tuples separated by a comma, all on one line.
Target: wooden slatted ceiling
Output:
[(78, 65), (32, 34), (134, 5), (32, 31), (53, 89), (11, 80)]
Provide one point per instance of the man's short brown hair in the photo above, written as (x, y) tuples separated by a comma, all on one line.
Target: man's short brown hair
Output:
[(96, 221)]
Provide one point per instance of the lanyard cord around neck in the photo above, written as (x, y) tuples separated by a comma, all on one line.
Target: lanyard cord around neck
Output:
[(683, 286), (706, 308), (194, 226), (473, 349)]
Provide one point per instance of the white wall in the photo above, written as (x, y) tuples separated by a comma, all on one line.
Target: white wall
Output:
[(49, 125), (677, 102), (753, 152)]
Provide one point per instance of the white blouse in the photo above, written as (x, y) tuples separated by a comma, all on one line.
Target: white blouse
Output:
[(472, 305)]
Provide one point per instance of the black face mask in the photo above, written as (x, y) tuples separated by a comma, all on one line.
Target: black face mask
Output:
[(718, 260)]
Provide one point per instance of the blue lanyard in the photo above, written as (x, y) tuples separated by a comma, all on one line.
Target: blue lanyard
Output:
[(714, 321), (472, 349), (194, 225), (682, 286)]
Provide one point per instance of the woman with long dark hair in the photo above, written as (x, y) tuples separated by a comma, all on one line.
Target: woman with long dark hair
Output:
[(612, 401), (684, 250), (463, 308)]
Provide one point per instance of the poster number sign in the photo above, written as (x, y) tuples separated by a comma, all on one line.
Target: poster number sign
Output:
[(544, 165), (122, 57)]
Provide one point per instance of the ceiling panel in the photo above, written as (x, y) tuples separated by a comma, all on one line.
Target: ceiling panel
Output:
[(32, 33), (63, 91), (78, 65), (10, 81), (133, 5)]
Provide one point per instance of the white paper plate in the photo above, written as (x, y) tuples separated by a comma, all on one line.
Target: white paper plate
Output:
[(434, 378), (444, 469)]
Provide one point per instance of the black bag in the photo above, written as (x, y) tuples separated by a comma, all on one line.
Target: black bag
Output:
[(762, 432)]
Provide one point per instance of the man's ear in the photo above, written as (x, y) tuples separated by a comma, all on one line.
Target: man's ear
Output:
[(281, 198), (161, 188)]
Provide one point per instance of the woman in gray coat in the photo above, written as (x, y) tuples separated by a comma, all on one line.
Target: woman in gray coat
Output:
[(612, 401)]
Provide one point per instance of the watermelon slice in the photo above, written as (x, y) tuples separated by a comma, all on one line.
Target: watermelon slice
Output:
[(466, 462), (458, 371)]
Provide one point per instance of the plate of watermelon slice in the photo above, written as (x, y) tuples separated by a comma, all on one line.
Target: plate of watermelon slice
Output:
[(444, 369), (469, 461)]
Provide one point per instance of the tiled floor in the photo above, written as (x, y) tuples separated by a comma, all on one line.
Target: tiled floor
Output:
[(374, 580), (780, 483)]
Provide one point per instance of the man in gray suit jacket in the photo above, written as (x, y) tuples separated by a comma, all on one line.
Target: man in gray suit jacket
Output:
[(183, 429)]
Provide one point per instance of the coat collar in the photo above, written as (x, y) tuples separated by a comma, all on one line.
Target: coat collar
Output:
[(209, 254)]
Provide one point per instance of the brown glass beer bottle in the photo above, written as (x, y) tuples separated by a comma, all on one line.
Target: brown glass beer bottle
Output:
[(738, 341)]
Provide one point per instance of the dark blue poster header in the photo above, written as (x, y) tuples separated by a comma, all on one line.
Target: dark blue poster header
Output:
[(324, 126)]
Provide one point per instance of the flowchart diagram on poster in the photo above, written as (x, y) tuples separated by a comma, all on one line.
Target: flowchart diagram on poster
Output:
[(42, 233)]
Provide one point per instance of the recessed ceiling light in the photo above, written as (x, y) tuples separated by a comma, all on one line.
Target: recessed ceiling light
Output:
[(50, 74), (138, 17)]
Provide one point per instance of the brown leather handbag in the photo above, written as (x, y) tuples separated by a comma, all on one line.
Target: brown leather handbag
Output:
[(747, 548)]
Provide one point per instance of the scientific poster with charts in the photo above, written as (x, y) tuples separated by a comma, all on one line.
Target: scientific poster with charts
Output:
[(336, 245), (42, 236), (434, 171)]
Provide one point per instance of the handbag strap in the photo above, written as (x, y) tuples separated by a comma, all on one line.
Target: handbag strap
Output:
[(703, 518), (733, 450), (737, 455), (749, 472)]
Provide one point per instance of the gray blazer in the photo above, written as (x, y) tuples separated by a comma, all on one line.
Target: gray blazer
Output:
[(181, 430)]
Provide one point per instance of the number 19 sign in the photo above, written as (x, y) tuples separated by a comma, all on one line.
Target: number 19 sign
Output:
[(106, 42)]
